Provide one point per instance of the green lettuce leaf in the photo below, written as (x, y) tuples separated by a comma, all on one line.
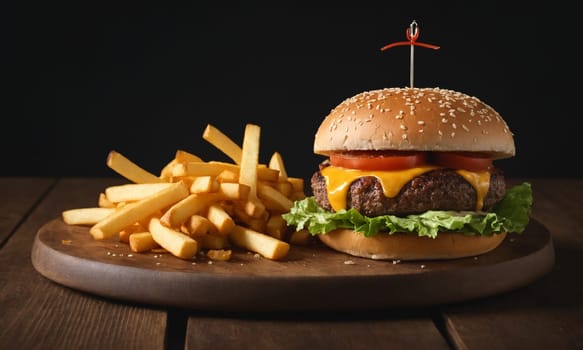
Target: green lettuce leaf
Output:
[(511, 214)]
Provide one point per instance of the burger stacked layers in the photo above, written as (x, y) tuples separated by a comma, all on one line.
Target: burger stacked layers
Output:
[(409, 174)]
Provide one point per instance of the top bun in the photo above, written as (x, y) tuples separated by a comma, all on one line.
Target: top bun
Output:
[(414, 119)]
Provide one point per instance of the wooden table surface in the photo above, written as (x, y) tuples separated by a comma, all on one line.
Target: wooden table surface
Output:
[(36, 313)]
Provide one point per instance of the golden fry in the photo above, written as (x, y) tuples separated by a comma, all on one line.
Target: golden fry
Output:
[(260, 243), (196, 225), (297, 183), (219, 254), (250, 159), (86, 216), (276, 227), (133, 192), (221, 219), (234, 190), (103, 202), (190, 205), (177, 243), (276, 162), (274, 199), (142, 242), (204, 184), (184, 156), (215, 137), (137, 211), (128, 169), (210, 241)]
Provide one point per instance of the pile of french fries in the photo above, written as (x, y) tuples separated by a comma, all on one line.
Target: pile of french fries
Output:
[(196, 207)]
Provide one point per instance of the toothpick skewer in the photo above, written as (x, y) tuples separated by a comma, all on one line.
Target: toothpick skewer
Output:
[(412, 34)]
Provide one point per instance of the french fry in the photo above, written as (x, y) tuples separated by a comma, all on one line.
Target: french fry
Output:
[(124, 235), (202, 168), (297, 196), (196, 225), (133, 192), (142, 242), (210, 241), (219, 217), (234, 190), (215, 137), (103, 202), (253, 207), (166, 172), (182, 156), (274, 199), (297, 183), (204, 184), (254, 223), (177, 243), (86, 216), (276, 162), (137, 211), (250, 158), (190, 205), (260, 243), (128, 169), (219, 254), (276, 227), (216, 168), (285, 187), (228, 176)]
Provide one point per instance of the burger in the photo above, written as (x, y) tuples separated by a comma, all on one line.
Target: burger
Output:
[(409, 174)]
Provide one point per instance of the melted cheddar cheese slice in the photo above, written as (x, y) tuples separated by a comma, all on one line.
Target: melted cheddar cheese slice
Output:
[(338, 181)]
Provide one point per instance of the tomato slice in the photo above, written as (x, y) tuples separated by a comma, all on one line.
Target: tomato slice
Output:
[(378, 160), (471, 161)]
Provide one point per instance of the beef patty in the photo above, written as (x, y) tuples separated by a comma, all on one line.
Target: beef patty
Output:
[(441, 189)]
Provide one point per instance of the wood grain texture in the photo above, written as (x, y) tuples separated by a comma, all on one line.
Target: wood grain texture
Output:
[(547, 314), (39, 314), (17, 197), (379, 330)]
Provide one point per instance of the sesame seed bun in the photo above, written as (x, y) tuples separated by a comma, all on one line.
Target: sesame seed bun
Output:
[(401, 246), (420, 119)]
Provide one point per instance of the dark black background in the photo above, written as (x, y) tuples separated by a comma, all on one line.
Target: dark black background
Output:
[(81, 80)]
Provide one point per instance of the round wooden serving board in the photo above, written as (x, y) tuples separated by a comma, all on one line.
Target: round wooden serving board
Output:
[(309, 278)]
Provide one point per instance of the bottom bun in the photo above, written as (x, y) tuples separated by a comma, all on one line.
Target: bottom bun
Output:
[(401, 246)]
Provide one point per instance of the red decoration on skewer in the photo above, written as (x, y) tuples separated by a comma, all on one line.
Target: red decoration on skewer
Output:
[(414, 27), (412, 34)]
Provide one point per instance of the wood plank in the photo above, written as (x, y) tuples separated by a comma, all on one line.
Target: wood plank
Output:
[(547, 314), (408, 329), (37, 313), (17, 197)]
